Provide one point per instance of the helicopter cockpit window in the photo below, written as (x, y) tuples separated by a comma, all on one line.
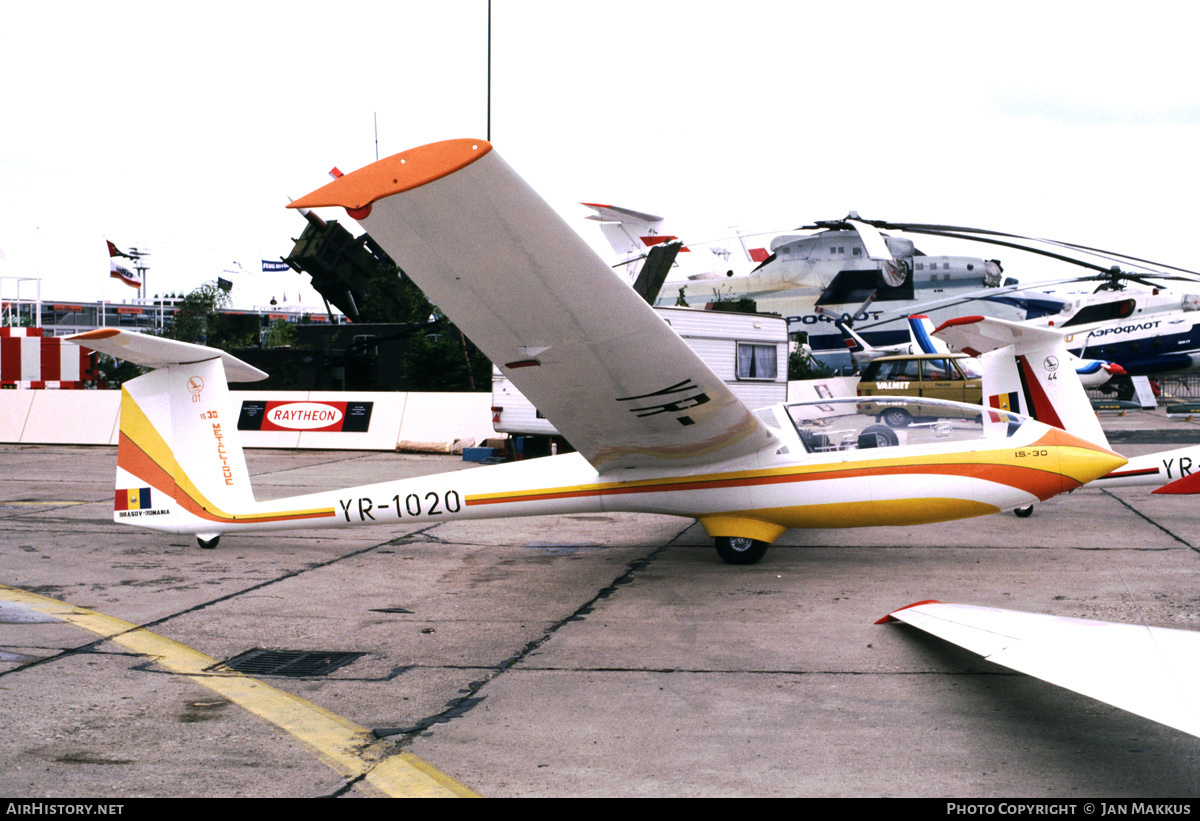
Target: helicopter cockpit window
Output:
[(867, 423), (1102, 312)]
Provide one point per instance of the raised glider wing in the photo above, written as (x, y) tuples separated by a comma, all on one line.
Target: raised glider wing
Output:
[(655, 429), (1153, 672)]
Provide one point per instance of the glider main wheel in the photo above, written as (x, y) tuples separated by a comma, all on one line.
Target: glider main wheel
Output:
[(896, 417), (1024, 512), (736, 550), (208, 544)]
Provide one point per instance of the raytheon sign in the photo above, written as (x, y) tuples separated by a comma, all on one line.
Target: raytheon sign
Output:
[(328, 417)]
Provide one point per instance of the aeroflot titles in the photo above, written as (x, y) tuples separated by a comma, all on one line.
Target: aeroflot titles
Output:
[(813, 319), (1125, 329)]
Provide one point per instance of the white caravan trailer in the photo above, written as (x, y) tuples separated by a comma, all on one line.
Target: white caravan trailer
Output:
[(749, 352)]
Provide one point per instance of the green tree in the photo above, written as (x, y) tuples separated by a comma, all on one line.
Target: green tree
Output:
[(446, 361), (195, 313), (393, 297), (801, 365), (281, 334), (112, 373)]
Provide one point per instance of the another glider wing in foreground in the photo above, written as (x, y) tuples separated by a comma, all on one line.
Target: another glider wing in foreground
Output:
[(1153, 672)]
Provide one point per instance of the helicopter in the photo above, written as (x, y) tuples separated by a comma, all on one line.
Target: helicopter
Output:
[(847, 269), (1146, 320)]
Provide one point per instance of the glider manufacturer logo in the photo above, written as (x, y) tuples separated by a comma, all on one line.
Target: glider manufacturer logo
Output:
[(328, 417), (1050, 363), (195, 385), (687, 395)]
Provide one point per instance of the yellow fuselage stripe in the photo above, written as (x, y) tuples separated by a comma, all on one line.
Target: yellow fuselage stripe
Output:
[(947, 463), (339, 743)]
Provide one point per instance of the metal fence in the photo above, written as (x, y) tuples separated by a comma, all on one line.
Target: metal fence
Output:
[(1171, 388), (1179, 388)]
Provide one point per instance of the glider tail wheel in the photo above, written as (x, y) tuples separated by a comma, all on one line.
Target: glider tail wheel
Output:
[(1024, 512), (737, 550)]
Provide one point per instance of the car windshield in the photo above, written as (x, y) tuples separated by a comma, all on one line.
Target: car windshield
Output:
[(888, 421), (969, 368), (906, 370)]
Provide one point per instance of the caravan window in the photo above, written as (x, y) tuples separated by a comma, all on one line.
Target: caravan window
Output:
[(756, 361)]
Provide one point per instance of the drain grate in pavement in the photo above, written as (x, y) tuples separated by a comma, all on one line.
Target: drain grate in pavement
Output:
[(290, 663)]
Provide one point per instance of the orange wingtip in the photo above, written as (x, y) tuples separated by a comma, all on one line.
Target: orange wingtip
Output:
[(889, 618), (399, 172), (99, 333)]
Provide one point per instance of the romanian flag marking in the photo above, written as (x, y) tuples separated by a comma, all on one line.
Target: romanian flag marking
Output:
[(134, 498)]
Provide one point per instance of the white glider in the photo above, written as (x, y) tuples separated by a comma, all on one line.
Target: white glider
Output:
[(656, 430)]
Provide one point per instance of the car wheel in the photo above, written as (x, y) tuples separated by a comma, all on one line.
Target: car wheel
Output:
[(896, 417)]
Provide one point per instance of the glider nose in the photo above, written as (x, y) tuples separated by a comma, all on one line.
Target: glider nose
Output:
[(1081, 461)]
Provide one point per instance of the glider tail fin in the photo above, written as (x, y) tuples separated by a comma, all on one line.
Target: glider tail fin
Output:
[(1026, 370), (180, 463), (628, 231)]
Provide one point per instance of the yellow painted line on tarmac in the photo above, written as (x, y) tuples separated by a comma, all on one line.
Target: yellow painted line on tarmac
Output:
[(339, 743)]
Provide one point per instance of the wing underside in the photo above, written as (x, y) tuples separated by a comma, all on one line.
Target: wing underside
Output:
[(1153, 672), (569, 333)]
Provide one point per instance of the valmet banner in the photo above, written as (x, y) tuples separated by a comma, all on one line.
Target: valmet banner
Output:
[(330, 417)]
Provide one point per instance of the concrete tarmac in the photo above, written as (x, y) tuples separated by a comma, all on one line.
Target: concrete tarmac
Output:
[(587, 655)]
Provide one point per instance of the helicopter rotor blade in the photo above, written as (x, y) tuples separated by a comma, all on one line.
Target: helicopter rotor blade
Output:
[(872, 240), (957, 232)]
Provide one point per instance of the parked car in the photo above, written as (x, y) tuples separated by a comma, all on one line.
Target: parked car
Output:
[(929, 376)]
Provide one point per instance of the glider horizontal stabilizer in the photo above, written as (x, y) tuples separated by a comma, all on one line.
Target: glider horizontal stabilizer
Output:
[(158, 352)]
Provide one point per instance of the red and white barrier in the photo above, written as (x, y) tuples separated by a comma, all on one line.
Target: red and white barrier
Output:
[(380, 420), (30, 360)]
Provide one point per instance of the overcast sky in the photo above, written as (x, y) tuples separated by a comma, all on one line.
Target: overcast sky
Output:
[(185, 131)]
